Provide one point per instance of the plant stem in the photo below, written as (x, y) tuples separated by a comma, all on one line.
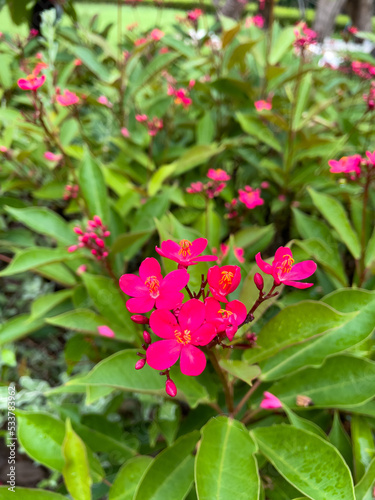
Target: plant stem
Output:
[(259, 301), (227, 391), (249, 415), (244, 400), (361, 267)]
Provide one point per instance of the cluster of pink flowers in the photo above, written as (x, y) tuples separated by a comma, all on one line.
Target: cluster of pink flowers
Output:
[(70, 192), (304, 36), (31, 82), (212, 188), (257, 21), (355, 166), (363, 69), (194, 15), (370, 97), (207, 317), (93, 238), (154, 125), (155, 35), (181, 95), (263, 105)]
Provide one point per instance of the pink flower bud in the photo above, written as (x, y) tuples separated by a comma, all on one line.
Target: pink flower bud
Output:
[(147, 337), (258, 280), (98, 220), (93, 251), (140, 364), (105, 254), (78, 230), (68, 187), (81, 269), (85, 238), (106, 234), (72, 248), (105, 331), (170, 388), (138, 318), (99, 242), (270, 402)]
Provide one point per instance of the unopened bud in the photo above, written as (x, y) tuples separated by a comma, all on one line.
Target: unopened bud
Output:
[(72, 248), (98, 220), (93, 251), (170, 388), (78, 230), (140, 364), (147, 337), (138, 318), (106, 234), (258, 280), (99, 242)]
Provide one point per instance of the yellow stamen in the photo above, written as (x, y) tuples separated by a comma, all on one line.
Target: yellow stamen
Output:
[(286, 264), (153, 284), (226, 280), (185, 250), (225, 313), (183, 337)]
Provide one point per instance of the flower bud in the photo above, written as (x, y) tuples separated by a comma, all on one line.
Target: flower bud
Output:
[(72, 248), (140, 364), (140, 319), (170, 388), (98, 220), (93, 251), (78, 230), (106, 234), (99, 242), (147, 337), (258, 280)]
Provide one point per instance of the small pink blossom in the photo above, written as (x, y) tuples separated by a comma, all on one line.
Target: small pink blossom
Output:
[(304, 36), (223, 281), (140, 41), (103, 100), (264, 185), (48, 155), (218, 175), (38, 68), (33, 33), (347, 164), (238, 253), (3, 149), (150, 289), (281, 197), (257, 21), (141, 118), (225, 320), (67, 98), (284, 271), (105, 331), (250, 197), (125, 132), (81, 269), (195, 187), (77, 62), (170, 388), (194, 15), (132, 26), (263, 105), (180, 338), (185, 253), (31, 82), (270, 402), (371, 157), (157, 34)]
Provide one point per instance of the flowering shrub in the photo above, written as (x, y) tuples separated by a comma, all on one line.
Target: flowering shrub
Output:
[(188, 252)]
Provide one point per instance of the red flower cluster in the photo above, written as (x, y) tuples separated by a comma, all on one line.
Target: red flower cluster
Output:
[(154, 125), (354, 166), (180, 95), (304, 36), (93, 238), (212, 188), (70, 192), (363, 69)]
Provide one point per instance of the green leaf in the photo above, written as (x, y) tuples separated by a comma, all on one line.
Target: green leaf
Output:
[(28, 494), (152, 69), (18, 327), (253, 126), (314, 351), (334, 213), (76, 468), (93, 188), (42, 305), (363, 445), (281, 45), (365, 485), (90, 60), (34, 257), (226, 443), (171, 473), (240, 369), (44, 221), (205, 129), (248, 236), (339, 438), (128, 478), (307, 461), (229, 35), (340, 382), (290, 327), (124, 241), (303, 423), (370, 250), (302, 99)]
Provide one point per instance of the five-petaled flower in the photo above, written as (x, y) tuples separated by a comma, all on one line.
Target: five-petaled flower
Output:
[(150, 289), (285, 271), (31, 82), (225, 320), (223, 280), (186, 253), (218, 175), (250, 197), (67, 98), (261, 105), (180, 338), (346, 165)]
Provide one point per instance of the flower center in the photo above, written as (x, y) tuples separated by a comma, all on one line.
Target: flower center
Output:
[(226, 279), (183, 337), (225, 314), (31, 78), (153, 285), (185, 250), (286, 264)]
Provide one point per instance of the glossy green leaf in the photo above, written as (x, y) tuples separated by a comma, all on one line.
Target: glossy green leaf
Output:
[(28, 494), (334, 213), (18, 327), (307, 461), (42, 305), (34, 257), (44, 221), (93, 188), (282, 44), (240, 369), (76, 468), (152, 69), (290, 327), (366, 484), (335, 340), (59, 273), (90, 60), (340, 382), (303, 423), (253, 126), (340, 439), (302, 99), (370, 250), (363, 445), (128, 478), (205, 129), (171, 473), (124, 241), (226, 444)]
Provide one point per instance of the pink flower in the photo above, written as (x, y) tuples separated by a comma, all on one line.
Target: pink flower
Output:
[(105, 331), (141, 118), (3, 149), (181, 338), (371, 157), (225, 320), (250, 197), (194, 15), (195, 187), (346, 164), (48, 155), (264, 185), (157, 34), (185, 253), (223, 280), (38, 68), (154, 126), (270, 402), (257, 21), (131, 27), (31, 82), (81, 269), (140, 41), (163, 50), (77, 62), (218, 175), (151, 289), (103, 100), (125, 132), (67, 98), (284, 271), (261, 105), (33, 33)]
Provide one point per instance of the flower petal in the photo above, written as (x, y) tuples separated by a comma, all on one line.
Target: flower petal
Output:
[(132, 285), (198, 246), (281, 253), (163, 323), (238, 309), (204, 258), (204, 334), (169, 249), (175, 281), (297, 284), (191, 315), (263, 266), (150, 267), (163, 354), (169, 300), (212, 309), (302, 270), (192, 361), (140, 304)]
